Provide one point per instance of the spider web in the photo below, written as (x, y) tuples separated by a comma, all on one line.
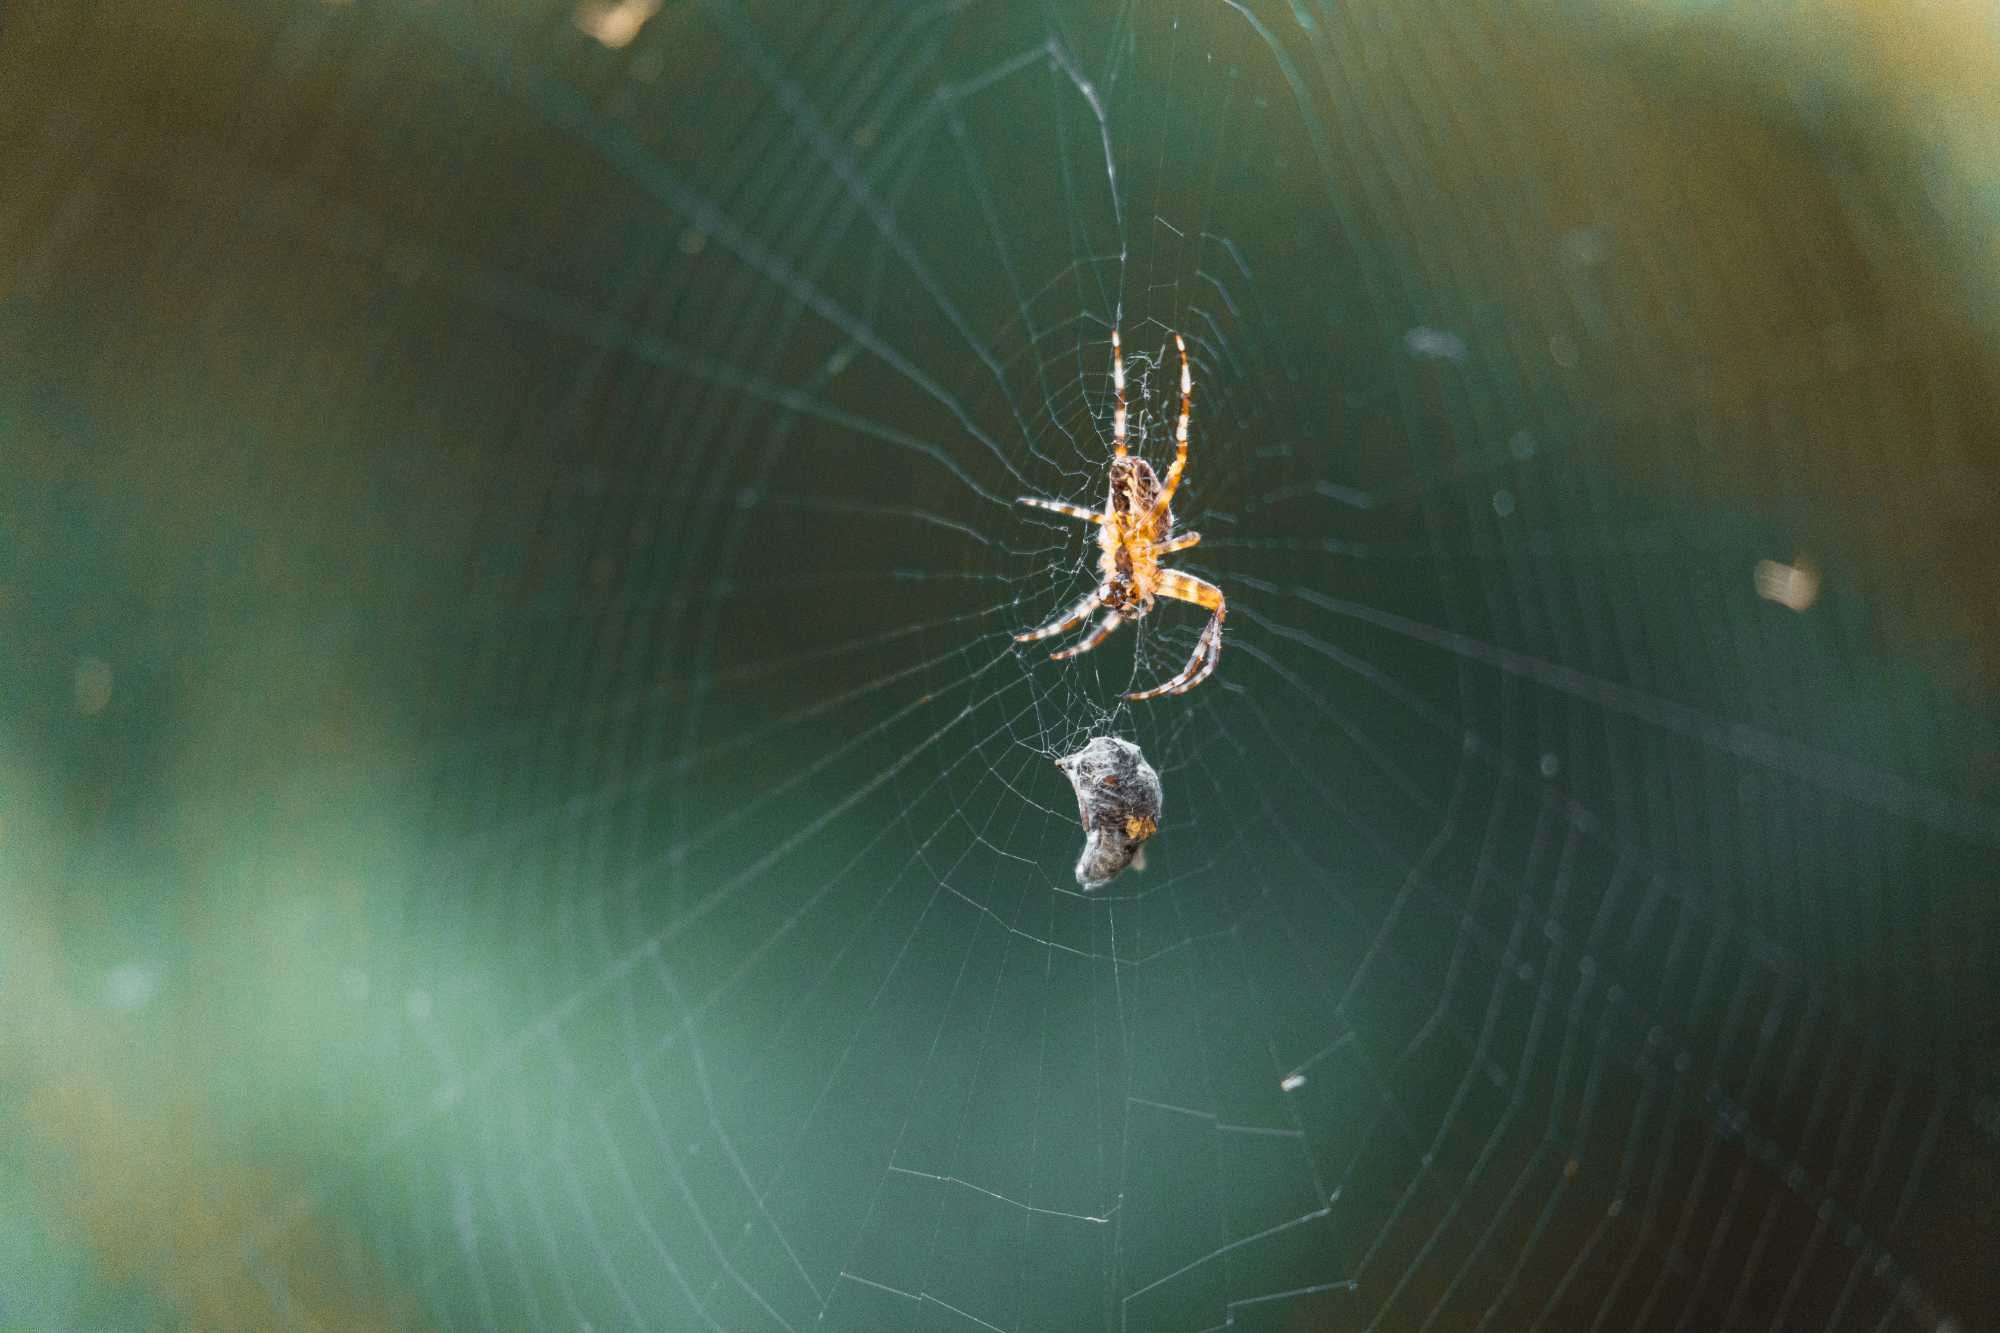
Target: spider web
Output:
[(1545, 929)]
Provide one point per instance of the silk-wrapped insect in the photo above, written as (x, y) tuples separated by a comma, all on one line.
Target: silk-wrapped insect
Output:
[(1118, 801)]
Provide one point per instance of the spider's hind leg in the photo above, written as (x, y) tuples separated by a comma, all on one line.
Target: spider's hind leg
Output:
[(1118, 419), (1172, 482), (1058, 507)]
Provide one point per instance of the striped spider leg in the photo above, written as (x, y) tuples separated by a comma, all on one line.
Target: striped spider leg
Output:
[(1135, 530)]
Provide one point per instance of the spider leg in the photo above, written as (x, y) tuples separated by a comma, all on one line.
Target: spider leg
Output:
[(1070, 619), (1173, 479), (1188, 588), (1180, 543), (1118, 381), (1112, 620), (1058, 507)]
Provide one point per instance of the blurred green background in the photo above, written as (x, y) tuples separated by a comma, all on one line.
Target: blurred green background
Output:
[(519, 809)]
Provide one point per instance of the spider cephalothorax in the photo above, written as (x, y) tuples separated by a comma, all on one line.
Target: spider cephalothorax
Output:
[(1134, 531)]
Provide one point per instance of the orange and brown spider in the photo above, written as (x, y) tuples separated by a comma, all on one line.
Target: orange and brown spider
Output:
[(1134, 531)]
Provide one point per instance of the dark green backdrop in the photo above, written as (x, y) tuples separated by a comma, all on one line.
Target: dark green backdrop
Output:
[(519, 806)]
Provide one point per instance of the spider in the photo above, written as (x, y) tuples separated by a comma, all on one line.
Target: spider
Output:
[(1134, 531)]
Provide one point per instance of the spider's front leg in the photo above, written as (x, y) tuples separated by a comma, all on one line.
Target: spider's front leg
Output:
[(1207, 649), (1075, 616), (1112, 620)]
